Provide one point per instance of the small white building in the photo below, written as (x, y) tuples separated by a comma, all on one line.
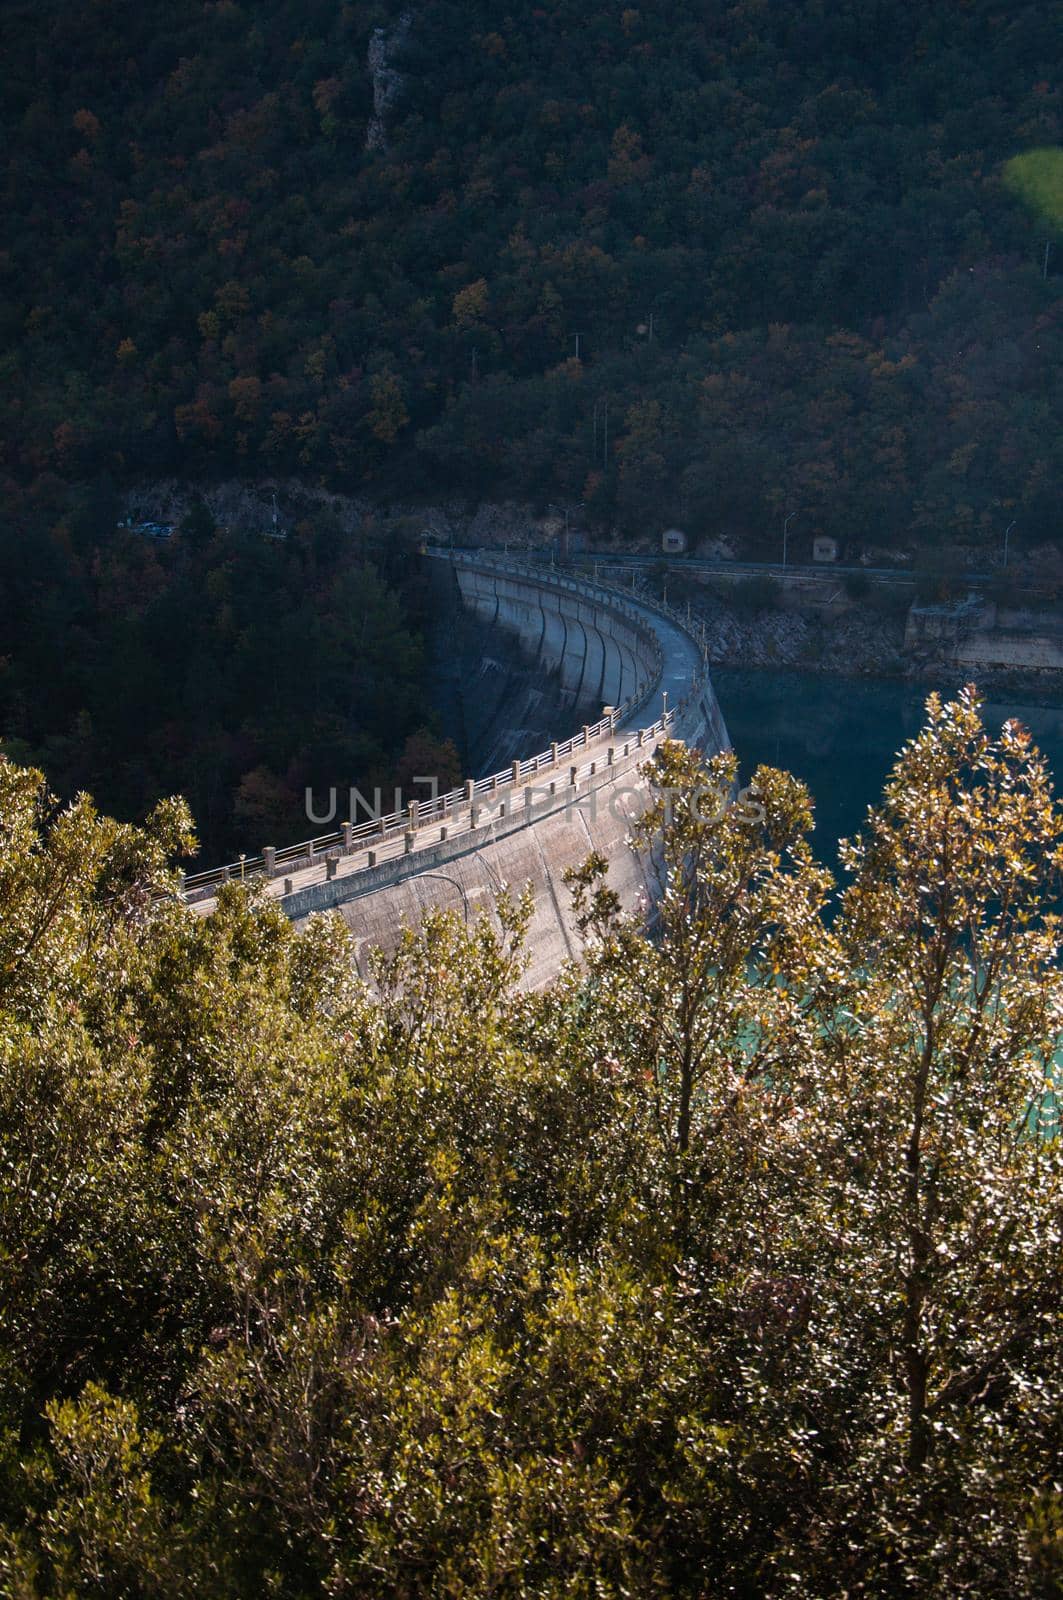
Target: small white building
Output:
[(824, 548), (673, 541)]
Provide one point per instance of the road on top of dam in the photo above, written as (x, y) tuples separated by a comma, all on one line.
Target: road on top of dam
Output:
[(681, 662)]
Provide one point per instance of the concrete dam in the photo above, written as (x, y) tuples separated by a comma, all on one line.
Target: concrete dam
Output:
[(638, 675)]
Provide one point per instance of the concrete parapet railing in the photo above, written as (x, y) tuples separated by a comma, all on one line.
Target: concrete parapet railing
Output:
[(481, 824), (698, 707)]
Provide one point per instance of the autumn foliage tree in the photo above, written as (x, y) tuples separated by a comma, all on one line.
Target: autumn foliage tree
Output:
[(733, 1252)]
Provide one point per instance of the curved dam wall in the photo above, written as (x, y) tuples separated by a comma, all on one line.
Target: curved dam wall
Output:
[(602, 654), (606, 649), (550, 809), (521, 659)]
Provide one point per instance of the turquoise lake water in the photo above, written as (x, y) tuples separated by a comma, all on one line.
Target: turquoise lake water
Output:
[(840, 735)]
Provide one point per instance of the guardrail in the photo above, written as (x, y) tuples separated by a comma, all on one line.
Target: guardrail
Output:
[(351, 836), (446, 809)]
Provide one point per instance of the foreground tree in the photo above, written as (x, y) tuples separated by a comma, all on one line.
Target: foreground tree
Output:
[(863, 1123), (727, 1264), (938, 1116)]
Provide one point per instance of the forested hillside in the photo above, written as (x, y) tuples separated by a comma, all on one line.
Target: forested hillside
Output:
[(713, 265), (729, 1265), (779, 232), (235, 669)]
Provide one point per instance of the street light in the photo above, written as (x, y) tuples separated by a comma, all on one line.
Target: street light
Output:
[(786, 534), (1007, 536), (566, 512)]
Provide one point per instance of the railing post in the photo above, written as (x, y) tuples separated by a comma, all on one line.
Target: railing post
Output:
[(411, 813), (610, 755), (269, 857), (470, 790), (553, 754), (586, 733), (331, 866), (370, 858), (407, 843), (348, 837), (288, 886), (516, 772), (573, 777)]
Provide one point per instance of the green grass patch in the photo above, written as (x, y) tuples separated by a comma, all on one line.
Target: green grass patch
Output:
[(1037, 179)]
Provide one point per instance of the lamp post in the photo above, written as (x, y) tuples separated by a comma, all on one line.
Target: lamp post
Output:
[(786, 534)]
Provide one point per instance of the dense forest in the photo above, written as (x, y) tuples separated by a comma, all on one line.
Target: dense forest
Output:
[(713, 265), (236, 669), (774, 243), (728, 1265)]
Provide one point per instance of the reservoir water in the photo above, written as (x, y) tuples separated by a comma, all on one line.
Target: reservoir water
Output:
[(840, 735)]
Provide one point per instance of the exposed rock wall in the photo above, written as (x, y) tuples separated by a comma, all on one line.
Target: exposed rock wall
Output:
[(387, 82)]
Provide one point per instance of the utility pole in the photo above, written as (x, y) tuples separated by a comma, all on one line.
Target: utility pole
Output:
[(786, 534)]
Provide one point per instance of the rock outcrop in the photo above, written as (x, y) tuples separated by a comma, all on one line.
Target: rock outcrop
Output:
[(386, 80)]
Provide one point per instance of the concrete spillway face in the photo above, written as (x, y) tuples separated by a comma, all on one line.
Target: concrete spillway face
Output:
[(499, 690), (464, 871)]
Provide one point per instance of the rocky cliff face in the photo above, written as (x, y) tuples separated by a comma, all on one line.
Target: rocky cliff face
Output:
[(383, 46), (247, 503)]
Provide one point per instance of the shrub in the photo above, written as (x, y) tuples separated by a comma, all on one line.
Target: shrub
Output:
[(760, 593)]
